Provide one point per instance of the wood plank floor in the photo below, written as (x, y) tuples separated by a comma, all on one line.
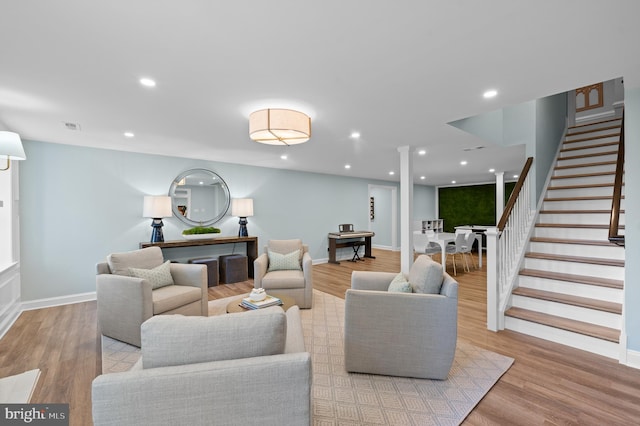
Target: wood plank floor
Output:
[(548, 383)]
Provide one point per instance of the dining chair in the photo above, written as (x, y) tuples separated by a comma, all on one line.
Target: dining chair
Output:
[(457, 248)]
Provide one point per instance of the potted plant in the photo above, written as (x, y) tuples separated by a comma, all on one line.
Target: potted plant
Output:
[(200, 232)]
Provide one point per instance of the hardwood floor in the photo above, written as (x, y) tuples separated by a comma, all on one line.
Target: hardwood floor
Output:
[(547, 384)]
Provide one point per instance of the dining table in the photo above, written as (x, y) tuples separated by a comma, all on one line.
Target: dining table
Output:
[(444, 238)]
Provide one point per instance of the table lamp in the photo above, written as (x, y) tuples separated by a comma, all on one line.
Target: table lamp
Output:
[(157, 207), (242, 207)]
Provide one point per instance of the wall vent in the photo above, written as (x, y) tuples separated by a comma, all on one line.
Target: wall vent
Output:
[(71, 126)]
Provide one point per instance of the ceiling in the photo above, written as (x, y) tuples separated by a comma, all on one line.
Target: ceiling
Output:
[(397, 72)]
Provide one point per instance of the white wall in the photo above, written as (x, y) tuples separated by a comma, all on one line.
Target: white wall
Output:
[(80, 204)]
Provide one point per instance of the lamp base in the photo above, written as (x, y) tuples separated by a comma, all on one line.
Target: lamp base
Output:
[(157, 235), (242, 232)]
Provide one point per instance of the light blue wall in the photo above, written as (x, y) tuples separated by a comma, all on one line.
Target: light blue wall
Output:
[(486, 126), (80, 204), (551, 121), (632, 218)]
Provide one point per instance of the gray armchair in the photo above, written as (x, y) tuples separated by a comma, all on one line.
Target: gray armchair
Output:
[(125, 301), (293, 280), (401, 334)]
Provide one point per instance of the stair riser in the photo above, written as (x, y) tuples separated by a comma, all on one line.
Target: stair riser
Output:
[(579, 205), (598, 159), (606, 294), (602, 252), (590, 143), (568, 179), (577, 268), (572, 233), (606, 168), (575, 340), (578, 313), (579, 218), (594, 126), (592, 134), (605, 191), (583, 151)]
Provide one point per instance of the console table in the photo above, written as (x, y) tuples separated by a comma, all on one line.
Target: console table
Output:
[(251, 242)]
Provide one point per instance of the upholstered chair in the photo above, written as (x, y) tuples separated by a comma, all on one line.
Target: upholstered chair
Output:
[(285, 268), (132, 287), (399, 325)]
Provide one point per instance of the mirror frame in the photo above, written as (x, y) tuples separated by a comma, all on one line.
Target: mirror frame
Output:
[(184, 219)]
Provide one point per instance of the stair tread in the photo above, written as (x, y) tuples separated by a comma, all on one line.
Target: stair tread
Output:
[(595, 154), (608, 135), (600, 129), (597, 163), (576, 211), (595, 145), (593, 185), (581, 175), (604, 243), (587, 198), (575, 225), (578, 126), (582, 279), (577, 259), (587, 329), (569, 299)]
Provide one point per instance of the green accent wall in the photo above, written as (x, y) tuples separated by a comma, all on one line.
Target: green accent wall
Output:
[(470, 205)]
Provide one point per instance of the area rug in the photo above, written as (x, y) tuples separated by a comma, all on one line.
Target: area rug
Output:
[(349, 399), (18, 389)]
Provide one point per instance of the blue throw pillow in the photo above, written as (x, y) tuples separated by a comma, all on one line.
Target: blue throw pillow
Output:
[(400, 284)]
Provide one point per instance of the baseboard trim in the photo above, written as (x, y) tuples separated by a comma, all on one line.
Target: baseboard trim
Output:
[(57, 301), (633, 359), (598, 116)]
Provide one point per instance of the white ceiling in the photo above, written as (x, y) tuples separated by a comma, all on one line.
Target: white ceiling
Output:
[(396, 71)]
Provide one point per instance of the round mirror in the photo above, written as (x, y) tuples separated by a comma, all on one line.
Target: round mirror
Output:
[(199, 197)]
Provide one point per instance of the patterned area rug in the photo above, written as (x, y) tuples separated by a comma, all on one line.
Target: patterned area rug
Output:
[(349, 399)]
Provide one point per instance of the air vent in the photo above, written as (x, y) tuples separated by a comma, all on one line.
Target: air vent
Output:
[(474, 148), (71, 126)]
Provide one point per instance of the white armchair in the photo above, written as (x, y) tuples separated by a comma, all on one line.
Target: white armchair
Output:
[(126, 301), (278, 270)]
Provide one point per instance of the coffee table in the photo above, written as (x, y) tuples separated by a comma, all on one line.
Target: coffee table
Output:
[(234, 305)]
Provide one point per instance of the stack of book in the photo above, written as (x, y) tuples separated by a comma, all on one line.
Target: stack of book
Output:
[(268, 301)]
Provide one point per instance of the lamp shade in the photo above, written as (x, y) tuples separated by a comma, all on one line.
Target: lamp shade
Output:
[(157, 206), (11, 146), (242, 207), (279, 126)]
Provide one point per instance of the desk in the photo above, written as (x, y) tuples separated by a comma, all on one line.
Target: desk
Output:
[(444, 238), (334, 242), (251, 242)]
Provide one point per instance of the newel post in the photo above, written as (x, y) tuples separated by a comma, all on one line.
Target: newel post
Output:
[(493, 292)]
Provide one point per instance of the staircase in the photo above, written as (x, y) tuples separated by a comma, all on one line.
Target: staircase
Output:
[(570, 289)]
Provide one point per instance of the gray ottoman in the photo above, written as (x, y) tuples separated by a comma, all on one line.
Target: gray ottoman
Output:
[(233, 268), (212, 268)]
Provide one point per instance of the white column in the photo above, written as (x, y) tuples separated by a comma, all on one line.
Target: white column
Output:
[(406, 208), (493, 292), (499, 195)]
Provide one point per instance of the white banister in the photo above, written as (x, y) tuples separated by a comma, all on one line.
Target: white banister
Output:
[(505, 251)]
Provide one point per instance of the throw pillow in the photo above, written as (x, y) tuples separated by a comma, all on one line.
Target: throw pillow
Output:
[(284, 262), (400, 284), (159, 276), (426, 276)]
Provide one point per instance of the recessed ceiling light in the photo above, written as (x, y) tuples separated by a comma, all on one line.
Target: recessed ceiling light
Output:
[(422, 152), (492, 170), (423, 177), (147, 82), (201, 183), (284, 156), (347, 166), (392, 173), (453, 181), (490, 93), (128, 134), (463, 163), (515, 176), (355, 135)]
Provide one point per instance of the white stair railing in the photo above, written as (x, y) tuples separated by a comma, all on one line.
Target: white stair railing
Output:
[(505, 244)]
